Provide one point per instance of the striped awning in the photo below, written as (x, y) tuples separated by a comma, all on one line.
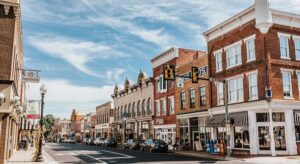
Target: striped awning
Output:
[(240, 120), (297, 117)]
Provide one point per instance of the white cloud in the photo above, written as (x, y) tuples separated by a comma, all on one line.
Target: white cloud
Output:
[(62, 96), (76, 52)]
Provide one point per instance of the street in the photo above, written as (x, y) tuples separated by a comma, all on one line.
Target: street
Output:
[(77, 153)]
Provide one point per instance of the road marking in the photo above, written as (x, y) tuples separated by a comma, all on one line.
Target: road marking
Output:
[(58, 154), (125, 155)]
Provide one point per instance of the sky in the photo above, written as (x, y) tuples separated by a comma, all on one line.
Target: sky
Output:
[(84, 47)]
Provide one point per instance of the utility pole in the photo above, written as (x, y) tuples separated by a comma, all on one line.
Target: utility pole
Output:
[(225, 87)]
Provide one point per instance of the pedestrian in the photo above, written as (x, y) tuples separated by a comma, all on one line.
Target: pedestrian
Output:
[(176, 144)]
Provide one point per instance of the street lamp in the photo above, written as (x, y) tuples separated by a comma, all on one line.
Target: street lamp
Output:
[(125, 116), (40, 157)]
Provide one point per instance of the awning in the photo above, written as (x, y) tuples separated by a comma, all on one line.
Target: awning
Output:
[(297, 117), (240, 120)]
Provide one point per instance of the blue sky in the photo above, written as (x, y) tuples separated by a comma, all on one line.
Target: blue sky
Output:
[(84, 47)]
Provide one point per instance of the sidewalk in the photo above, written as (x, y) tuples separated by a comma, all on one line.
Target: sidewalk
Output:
[(22, 156), (251, 159)]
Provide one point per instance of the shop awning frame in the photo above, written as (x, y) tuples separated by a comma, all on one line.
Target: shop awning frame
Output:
[(240, 120)]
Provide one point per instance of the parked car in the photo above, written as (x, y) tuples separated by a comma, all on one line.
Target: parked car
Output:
[(154, 145), (97, 141), (90, 141), (70, 140), (132, 144), (102, 141), (85, 141), (109, 142)]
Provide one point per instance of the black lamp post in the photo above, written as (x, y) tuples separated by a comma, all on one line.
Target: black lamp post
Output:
[(40, 157)]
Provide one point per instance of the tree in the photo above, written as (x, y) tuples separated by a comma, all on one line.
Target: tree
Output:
[(48, 122)]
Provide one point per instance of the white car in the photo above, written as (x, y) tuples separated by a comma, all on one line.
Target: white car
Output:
[(97, 141), (102, 142)]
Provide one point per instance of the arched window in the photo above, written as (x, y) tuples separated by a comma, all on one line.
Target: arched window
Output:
[(133, 110), (121, 113), (129, 110), (138, 108), (125, 108), (144, 107), (149, 106), (118, 114)]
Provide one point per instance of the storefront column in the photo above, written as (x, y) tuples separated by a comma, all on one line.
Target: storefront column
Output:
[(214, 133), (136, 130), (253, 132), (271, 131), (231, 137), (290, 132)]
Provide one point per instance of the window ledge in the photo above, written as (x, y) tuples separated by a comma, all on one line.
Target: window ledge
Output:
[(285, 58), (251, 60), (234, 66), (217, 71), (253, 99), (288, 98)]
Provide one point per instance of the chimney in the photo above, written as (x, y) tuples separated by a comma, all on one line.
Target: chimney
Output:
[(263, 15)]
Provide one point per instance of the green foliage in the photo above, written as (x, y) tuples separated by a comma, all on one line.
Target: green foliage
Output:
[(48, 122)]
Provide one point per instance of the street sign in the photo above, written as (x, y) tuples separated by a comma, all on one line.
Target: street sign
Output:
[(180, 82), (31, 76), (202, 70)]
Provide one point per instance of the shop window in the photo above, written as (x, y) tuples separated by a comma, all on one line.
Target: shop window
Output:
[(279, 138), (221, 133), (297, 132), (262, 117), (184, 131), (241, 137), (264, 138), (278, 117), (297, 124)]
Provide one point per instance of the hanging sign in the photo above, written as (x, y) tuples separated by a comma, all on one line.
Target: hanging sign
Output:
[(33, 108)]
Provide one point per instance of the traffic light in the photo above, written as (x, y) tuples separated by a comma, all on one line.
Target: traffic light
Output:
[(169, 72), (195, 74)]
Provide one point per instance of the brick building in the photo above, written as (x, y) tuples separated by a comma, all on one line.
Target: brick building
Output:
[(103, 120), (12, 88), (192, 102), (255, 50), (164, 91), (135, 103), (76, 125)]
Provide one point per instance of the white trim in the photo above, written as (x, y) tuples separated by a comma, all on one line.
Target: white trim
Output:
[(286, 70), (234, 77), (251, 72), (165, 126), (279, 34), (296, 36), (218, 51), (232, 45), (249, 38)]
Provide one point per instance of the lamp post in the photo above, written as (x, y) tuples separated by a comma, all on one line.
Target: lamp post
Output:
[(125, 116), (40, 157)]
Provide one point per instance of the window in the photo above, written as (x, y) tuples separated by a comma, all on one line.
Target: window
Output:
[(163, 84), (157, 108), (171, 84), (192, 98), (250, 45), (220, 93), (235, 90), (234, 57), (241, 138), (284, 46), (218, 61), (287, 85), (182, 98), (164, 107), (157, 86), (171, 101), (253, 86), (297, 48), (202, 96)]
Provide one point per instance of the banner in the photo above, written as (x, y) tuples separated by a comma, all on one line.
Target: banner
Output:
[(33, 109), (31, 76)]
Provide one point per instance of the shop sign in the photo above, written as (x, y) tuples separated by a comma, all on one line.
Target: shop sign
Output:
[(33, 108), (159, 121), (31, 76)]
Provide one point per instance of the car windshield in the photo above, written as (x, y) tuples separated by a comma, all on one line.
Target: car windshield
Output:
[(159, 142)]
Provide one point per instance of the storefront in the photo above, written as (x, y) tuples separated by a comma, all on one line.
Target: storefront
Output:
[(165, 132), (297, 129)]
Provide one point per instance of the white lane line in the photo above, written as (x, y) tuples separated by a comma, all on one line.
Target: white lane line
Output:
[(92, 158), (124, 155)]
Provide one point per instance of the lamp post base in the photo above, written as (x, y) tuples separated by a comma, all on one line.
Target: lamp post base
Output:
[(39, 158)]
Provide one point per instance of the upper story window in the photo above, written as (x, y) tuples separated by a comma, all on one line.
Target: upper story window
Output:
[(235, 90), (202, 96), (157, 87), (182, 99), (233, 55), (298, 79), (218, 56), (171, 84), (220, 94), (164, 106), (297, 46), (250, 47), (163, 84), (192, 98), (252, 78), (171, 101), (284, 45), (157, 108), (287, 83)]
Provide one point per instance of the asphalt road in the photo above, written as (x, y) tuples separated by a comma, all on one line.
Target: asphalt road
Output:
[(80, 154)]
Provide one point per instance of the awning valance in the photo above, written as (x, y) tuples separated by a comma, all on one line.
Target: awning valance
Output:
[(239, 119), (297, 117)]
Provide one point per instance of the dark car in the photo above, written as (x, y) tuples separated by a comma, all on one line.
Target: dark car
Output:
[(132, 144), (154, 145), (109, 142)]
